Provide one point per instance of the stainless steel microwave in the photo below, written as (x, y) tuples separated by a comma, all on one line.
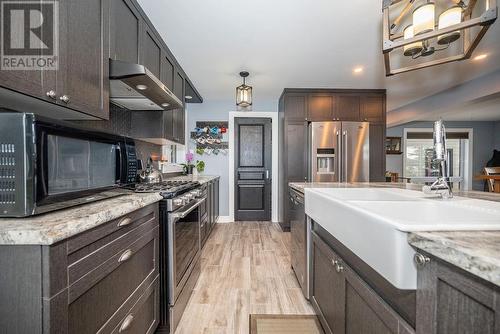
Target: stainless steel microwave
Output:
[(47, 165)]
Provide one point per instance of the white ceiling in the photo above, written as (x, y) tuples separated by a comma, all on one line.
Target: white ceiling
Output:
[(297, 43)]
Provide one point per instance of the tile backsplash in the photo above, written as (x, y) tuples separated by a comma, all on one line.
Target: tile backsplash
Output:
[(120, 122)]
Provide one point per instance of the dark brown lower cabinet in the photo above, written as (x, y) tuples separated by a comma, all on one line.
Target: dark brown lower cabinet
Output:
[(344, 302), (104, 280), (450, 300), (211, 207)]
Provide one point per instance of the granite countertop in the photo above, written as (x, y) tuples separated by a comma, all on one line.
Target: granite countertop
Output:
[(52, 227), (477, 252), (200, 178), (49, 228)]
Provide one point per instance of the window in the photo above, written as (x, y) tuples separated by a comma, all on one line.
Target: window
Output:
[(418, 156)]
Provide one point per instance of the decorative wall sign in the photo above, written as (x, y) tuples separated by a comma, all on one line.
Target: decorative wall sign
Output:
[(210, 137)]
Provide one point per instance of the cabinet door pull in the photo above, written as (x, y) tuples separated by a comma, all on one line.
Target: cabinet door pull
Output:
[(65, 99), (125, 256), (52, 94), (125, 222), (338, 266), (421, 260), (126, 323)]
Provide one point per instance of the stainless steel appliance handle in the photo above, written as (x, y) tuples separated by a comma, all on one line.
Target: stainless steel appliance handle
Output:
[(344, 141), (183, 214), (339, 157)]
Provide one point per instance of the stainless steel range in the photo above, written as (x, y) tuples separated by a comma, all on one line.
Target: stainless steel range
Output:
[(181, 213)]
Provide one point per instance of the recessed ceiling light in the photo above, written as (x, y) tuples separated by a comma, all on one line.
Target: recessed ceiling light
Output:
[(141, 87), (358, 69), (165, 104), (481, 56), (188, 97)]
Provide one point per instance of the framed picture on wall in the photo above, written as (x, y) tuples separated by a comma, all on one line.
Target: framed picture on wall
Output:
[(393, 145)]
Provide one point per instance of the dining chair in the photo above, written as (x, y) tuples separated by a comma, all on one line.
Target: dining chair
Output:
[(491, 171)]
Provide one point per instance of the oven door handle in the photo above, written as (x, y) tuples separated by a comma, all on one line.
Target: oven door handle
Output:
[(183, 214)]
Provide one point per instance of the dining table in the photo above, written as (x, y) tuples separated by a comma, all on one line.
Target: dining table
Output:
[(495, 178)]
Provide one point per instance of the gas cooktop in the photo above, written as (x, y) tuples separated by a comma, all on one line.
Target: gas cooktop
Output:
[(167, 189)]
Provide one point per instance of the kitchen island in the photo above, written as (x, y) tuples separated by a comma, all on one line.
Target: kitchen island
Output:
[(346, 258), (477, 252)]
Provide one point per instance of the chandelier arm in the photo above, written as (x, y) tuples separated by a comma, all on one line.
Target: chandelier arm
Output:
[(402, 14)]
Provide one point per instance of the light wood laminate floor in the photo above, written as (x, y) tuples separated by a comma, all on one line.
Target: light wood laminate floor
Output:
[(245, 270)]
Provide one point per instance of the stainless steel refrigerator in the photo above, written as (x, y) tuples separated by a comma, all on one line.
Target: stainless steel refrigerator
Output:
[(339, 152)]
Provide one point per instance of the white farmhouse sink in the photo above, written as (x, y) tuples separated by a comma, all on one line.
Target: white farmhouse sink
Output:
[(373, 223), (370, 194)]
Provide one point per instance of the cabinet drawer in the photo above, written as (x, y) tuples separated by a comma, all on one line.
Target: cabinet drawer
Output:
[(101, 235), (144, 315), (92, 305), (94, 262)]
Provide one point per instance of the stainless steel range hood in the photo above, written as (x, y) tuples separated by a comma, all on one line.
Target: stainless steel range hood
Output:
[(134, 87)]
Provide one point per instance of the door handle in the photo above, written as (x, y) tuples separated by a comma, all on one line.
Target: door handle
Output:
[(180, 215), (267, 174), (344, 141), (338, 155)]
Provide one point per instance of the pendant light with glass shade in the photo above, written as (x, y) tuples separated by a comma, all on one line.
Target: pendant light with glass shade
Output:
[(425, 37), (244, 92)]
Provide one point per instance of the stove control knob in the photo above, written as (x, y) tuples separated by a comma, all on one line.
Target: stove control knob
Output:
[(178, 201)]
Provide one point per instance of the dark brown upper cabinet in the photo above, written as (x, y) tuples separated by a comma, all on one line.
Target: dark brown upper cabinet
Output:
[(151, 57), (179, 88), (167, 72), (29, 82), (83, 76), (126, 30), (81, 81), (90, 33), (295, 106), (179, 114), (348, 108), (321, 107), (178, 126), (373, 109)]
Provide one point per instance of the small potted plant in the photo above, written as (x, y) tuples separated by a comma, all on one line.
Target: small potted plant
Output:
[(188, 166)]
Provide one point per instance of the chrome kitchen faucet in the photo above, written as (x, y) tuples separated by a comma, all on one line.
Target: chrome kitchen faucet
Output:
[(442, 185)]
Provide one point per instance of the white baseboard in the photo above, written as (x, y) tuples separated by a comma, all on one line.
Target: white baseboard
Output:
[(225, 220)]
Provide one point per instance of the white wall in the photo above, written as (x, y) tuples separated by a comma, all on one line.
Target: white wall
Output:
[(218, 165), (497, 136)]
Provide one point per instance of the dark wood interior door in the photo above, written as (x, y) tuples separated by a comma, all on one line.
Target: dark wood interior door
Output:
[(253, 162)]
